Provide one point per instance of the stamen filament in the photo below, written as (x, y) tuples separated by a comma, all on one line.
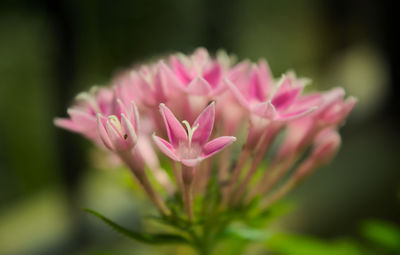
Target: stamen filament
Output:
[(190, 131)]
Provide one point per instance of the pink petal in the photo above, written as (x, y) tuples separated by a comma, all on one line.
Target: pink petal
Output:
[(238, 95), (146, 149), (116, 138), (129, 133), (126, 88), (176, 133), (295, 114), (337, 112), (146, 91), (119, 108), (191, 162), (85, 120), (284, 83), (199, 86), (256, 89), (264, 74), (349, 104), (169, 78), (216, 145), (67, 124), (213, 76), (238, 71), (284, 100), (180, 71), (334, 95), (309, 100), (200, 56), (134, 116), (206, 123), (160, 91), (104, 98), (165, 147), (101, 127), (265, 110)]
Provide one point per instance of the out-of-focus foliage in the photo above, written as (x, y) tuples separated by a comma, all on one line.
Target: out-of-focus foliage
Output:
[(286, 244), (50, 50), (377, 238), (385, 237)]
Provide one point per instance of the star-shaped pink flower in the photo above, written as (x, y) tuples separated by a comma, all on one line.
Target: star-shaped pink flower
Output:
[(263, 98), (119, 132), (191, 147)]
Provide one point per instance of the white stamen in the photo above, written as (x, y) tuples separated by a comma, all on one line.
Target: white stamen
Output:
[(190, 131)]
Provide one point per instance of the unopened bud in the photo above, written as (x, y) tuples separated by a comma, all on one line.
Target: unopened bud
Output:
[(326, 144)]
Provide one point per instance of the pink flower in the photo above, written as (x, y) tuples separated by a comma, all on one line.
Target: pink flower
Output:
[(332, 111), (119, 132), (335, 109), (264, 113), (191, 147), (199, 74), (148, 85), (261, 97), (83, 114)]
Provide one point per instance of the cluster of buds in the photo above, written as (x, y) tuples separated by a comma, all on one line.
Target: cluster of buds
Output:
[(189, 108)]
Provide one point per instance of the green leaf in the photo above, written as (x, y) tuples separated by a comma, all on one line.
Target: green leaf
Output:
[(383, 234), (248, 234), (286, 244), (142, 237)]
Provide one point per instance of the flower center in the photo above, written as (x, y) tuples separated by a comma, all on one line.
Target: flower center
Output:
[(190, 131), (186, 152), (116, 123)]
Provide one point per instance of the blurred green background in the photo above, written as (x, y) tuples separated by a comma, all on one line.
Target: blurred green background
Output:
[(51, 50)]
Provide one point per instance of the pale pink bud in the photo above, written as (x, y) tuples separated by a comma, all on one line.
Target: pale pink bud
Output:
[(326, 144)]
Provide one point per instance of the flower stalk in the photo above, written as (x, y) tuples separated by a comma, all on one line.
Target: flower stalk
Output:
[(188, 174), (141, 176)]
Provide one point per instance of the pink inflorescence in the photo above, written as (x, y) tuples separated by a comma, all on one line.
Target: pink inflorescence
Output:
[(211, 115)]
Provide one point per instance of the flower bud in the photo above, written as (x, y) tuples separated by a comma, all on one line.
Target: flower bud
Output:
[(326, 144)]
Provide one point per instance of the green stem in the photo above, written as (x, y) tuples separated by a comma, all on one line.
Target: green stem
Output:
[(187, 178)]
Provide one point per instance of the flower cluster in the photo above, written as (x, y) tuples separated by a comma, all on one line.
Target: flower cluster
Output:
[(212, 118)]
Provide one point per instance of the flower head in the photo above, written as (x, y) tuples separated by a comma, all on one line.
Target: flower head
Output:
[(83, 113), (191, 147), (119, 132), (275, 102), (215, 97)]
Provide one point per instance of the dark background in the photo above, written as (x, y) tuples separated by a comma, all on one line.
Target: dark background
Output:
[(51, 50)]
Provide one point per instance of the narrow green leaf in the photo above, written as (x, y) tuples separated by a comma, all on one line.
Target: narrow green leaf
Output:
[(142, 237), (249, 234)]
